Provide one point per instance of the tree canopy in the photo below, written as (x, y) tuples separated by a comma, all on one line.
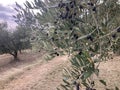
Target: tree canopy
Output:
[(87, 30), (13, 42)]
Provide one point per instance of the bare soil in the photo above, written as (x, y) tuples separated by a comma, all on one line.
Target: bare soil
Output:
[(48, 75), (110, 72), (41, 77)]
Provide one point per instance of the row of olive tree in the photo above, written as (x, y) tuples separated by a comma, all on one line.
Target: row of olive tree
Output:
[(12, 42)]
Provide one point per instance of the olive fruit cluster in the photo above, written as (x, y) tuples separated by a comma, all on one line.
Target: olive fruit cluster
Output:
[(89, 37), (67, 10), (92, 5)]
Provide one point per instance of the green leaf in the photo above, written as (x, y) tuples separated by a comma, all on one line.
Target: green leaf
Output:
[(87, 74), (96, 72), (66, 82), (116, 88), (103, 82), (85, 84), (64, 87)]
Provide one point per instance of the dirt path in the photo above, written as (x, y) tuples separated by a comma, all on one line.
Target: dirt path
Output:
[(48, 76), (41, 77)]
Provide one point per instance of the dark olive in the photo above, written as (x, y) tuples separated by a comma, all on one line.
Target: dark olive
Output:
[(89, 37), (94, 9), (114, 35), (63, 16), (118, 30), (72, 21), (66, 15), (71, 2), (109, 41), (82, 72), (91, 4), (55, 32), (61, 5), (56, 53), (77, 77), (60, 16), (92, 82), (81, 7), (71, 28), (80, 52), (65, 33), (75, 14), (55, 22), (52, 39), (72, 6), (75, 36), (70, 17), (67, 8)]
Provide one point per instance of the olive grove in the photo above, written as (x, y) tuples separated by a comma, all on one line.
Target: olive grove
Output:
[(87, 30)]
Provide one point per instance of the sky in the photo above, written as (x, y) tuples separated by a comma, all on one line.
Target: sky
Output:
[(7, 11)]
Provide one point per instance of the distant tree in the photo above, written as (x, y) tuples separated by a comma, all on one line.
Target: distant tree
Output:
[(12, 42), (21, 37)]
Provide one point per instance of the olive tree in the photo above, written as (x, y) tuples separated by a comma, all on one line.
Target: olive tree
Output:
[(86, 30), (12, 42), (89, 32)]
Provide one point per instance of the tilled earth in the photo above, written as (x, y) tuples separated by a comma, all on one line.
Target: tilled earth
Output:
[(48, 76), (41, 77)]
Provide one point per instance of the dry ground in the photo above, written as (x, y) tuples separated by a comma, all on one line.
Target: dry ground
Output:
[(48, 75), (110, 72)]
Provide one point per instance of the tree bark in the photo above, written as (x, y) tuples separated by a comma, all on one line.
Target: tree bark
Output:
[(15, 56)]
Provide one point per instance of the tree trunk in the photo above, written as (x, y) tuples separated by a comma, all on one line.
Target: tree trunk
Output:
[(16, 56)]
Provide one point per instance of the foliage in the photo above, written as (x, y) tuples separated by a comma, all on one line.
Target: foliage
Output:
[(12, 42), (116, 46), (40, 23), (85, 30), (21, 37), (90, 30)]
